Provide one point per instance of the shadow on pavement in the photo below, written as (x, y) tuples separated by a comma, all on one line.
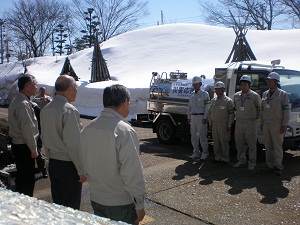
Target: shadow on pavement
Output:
[(176, 151), (270, 186)]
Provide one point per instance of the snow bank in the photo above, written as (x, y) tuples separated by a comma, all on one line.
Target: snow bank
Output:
[(133, 56)]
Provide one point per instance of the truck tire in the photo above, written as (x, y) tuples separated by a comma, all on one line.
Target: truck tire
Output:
[(165, 131)]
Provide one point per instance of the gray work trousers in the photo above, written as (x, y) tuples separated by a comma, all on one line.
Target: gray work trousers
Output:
[(246, 137), (273, 142), (199, 133), (221, 139)]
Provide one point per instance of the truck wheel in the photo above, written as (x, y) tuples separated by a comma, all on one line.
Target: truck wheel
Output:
[(165, 131)]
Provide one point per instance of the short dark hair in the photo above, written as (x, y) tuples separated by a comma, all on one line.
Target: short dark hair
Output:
[(115, 95), (64, 84), (23, 80)]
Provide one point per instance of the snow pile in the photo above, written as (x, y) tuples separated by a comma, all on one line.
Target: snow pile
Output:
[(22, 209), (133, 56)]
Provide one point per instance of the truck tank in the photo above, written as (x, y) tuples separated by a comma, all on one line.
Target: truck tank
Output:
[(168, 103), (175, 87)]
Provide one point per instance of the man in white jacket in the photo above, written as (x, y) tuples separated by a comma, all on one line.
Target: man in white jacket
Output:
[(197, 117), (110, 152)]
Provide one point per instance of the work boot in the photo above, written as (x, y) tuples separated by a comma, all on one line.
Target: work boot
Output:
[(195, 155), (266, 169), (203, 157), (44, 173), (277, 171), (223, 162), (251, 166), (240, 165), (216, 161)]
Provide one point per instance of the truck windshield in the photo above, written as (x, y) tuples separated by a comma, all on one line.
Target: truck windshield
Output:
[(290, 82)]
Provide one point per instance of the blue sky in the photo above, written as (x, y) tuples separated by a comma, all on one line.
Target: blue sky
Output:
[(174, 11)]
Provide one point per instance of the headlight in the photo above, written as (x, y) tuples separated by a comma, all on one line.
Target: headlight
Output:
[(289, 132)]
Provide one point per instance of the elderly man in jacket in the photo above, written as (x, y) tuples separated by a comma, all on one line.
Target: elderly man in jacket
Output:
[(111, 159), (61, 126)]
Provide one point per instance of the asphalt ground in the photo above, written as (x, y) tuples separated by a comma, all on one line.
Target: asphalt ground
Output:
[(181, 191)]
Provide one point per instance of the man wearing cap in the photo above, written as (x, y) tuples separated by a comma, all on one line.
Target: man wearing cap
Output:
[(275, 115), (197, 117), (221, 117), (247, 104)]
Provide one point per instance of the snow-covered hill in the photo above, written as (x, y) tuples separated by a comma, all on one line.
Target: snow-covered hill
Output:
[(133, 56)]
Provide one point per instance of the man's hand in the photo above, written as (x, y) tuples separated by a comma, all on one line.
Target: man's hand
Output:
[(282, 129), (189, 121), (204, 121), (82, 178), (34, 155), (140, 215)]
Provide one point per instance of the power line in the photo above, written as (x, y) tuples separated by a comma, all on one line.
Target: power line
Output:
[(194, 19)]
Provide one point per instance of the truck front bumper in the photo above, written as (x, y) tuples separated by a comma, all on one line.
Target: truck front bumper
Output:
[(292, 143)]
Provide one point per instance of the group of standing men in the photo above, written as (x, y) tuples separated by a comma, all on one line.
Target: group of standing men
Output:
[(106, 152), (245, 108)]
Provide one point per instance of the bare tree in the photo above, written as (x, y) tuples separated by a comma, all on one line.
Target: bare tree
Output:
[(115, 16), (34, 21), (293, 11), (260, 13)]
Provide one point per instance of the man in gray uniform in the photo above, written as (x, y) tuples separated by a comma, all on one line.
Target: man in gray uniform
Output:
[(111, 159), (61, 126), (247, 105), (275, 115), (42, 99), (23, 128), (197, 117), (221, 116)]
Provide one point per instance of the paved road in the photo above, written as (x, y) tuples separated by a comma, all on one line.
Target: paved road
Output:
[(219, 194), (180, 191)]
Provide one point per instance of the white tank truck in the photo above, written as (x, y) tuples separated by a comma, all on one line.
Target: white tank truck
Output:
[(168, 103)]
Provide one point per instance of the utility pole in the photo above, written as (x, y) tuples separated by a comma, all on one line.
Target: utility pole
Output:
[(1, 37), (53, 48), (161, 18), (7, 50)]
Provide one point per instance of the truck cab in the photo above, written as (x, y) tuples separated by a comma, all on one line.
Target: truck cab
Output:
[(289, 81)]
